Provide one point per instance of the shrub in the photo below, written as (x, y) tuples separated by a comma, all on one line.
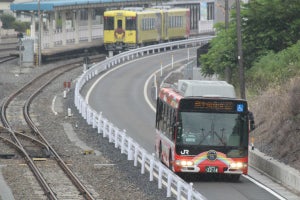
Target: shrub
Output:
[(274, 69)]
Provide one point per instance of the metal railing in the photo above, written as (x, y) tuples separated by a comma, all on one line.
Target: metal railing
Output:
[(122, 141)]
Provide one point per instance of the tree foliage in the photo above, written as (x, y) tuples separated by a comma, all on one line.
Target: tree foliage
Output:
[(274, 69), (7, 21), (266, 26)]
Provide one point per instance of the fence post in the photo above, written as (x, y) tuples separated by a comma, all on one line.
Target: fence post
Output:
[(136, 155), (123, 134), (151, 167), (110, 136), (169, 184), (129, 151), (179, 190), (116, 137), (143, 162), (160, 177), (99, 123)]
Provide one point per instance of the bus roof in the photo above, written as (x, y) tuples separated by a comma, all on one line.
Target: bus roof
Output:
[(196, 88), (206, 88)]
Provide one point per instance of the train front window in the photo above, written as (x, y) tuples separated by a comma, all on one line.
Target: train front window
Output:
[(108, 23), (130, 23), (120, 24), (212, 129)]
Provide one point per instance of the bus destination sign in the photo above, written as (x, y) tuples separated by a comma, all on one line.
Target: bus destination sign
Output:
[(213, 105)]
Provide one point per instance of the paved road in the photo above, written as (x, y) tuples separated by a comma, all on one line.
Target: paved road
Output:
[(119, 95)]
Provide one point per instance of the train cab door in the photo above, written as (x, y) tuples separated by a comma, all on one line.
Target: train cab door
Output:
[(120, 23), (120, 31)]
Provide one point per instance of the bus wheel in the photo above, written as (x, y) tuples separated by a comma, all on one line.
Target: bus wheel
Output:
[(235, 177)]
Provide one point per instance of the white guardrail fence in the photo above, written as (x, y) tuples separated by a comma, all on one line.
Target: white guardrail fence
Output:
[(119, 137)]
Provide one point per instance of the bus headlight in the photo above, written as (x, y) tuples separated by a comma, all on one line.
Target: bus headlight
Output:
[(237, 165), (184, 163)]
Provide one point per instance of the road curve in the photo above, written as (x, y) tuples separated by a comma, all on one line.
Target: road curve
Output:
[(119, 95)]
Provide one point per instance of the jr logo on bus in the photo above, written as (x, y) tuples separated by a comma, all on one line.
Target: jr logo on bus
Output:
[(184, 152)]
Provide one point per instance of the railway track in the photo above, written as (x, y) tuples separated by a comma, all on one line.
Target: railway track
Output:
[(8, 50), (4, 59), (55, 178), (9, 45)]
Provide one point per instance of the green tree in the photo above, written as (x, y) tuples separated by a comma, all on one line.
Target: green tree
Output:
[(269, 26), (222, 53), (21, 26), (7, 21), (266, 26)]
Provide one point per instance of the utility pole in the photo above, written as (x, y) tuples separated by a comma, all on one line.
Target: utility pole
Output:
[(240, 50), (20, 54), (39, 35), (227, 69)]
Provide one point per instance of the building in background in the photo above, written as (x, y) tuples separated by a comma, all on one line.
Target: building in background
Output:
[(5, 6)]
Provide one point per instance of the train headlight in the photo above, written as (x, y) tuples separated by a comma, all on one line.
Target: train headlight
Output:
[(184, 163)]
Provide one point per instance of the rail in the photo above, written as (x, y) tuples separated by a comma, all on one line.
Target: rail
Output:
[(126, 144)]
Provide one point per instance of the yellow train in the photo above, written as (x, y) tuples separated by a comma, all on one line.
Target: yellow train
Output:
[(135, 27)]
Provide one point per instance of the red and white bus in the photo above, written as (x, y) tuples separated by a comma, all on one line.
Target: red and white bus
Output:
[(201, 127)]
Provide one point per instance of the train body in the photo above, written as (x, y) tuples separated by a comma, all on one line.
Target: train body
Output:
[(135, 27)]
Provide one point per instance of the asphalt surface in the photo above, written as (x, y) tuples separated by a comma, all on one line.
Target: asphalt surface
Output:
[(119, 96)]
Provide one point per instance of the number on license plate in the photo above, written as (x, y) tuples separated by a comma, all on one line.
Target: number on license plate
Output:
[(211, 169)]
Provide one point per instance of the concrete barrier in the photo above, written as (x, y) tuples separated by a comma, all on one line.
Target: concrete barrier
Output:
[(279, 172), (4, 33)]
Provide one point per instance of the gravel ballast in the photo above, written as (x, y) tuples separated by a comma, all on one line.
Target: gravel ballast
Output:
[(106, 172)]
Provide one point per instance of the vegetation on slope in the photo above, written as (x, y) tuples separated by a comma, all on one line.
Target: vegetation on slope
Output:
[(271, 49), (277, 118)]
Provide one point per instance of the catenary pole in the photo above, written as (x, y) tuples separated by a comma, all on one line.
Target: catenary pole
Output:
[(40, 33), (240, 51)]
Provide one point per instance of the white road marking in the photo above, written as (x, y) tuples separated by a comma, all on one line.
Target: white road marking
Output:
[(147, 83), (154, 109), (53, 105), (264, 187)]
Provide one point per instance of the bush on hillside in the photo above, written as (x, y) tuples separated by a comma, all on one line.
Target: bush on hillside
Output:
[(274, 69)]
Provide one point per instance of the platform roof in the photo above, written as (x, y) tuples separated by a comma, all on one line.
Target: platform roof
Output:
[(50, 5)]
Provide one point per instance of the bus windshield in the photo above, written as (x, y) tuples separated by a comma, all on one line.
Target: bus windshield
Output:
[(217, 130)]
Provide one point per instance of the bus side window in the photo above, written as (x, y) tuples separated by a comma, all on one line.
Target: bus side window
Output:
[(158, 112), (170, 122), (164, 120), (169, 127)]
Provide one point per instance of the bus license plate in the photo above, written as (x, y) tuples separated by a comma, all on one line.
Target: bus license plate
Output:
[(211, 169)]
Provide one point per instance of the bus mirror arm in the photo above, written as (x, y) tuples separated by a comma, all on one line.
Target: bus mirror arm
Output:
[(176, 128), (251, 121), (252, 125)]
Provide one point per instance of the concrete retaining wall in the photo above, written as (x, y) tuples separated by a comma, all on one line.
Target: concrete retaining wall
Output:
[(7, 33), (279, 172)]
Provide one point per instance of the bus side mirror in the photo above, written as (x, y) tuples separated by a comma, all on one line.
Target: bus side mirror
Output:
[(251, 121), (176, 129), (252, 125)]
